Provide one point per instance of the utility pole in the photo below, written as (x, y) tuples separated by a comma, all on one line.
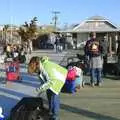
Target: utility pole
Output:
[(11, 29), (55, 18)]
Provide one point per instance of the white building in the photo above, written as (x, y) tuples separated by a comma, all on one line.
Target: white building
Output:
[(102, 27)]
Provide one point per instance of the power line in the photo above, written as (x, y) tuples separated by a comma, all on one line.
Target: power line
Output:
[(55, 18)]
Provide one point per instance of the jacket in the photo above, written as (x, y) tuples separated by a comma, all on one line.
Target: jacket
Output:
[(53, 76)]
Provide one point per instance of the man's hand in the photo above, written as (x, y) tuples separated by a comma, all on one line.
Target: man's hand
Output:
[(37, 89), (38, 92)]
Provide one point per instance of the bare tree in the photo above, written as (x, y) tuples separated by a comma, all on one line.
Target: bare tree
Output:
[(28, 30)]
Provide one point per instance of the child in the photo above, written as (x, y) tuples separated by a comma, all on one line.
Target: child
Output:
[(74, 80), (70, 80)]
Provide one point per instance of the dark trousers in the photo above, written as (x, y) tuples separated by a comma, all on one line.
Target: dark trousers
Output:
[(104, 65), (54, 105)]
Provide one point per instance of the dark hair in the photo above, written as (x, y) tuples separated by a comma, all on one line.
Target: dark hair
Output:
[(34, 59), (92, 34), (33, 68)]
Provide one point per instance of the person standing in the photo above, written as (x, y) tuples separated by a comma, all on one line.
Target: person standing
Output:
[(104, 46), (94, 54), (118, 51), (57, 43)]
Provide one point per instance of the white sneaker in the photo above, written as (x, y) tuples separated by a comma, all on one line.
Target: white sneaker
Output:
[(92, 84), (100, 84)]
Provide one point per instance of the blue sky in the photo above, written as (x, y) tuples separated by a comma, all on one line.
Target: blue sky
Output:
[(71, 11)]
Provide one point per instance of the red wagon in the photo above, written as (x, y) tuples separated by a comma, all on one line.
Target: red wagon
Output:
[(12, 70)]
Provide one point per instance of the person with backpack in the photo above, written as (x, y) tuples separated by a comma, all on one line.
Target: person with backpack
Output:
[(93, 52)]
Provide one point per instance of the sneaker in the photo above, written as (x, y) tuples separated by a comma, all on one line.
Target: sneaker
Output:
[(100, 84), (92, 84), (83, 84)]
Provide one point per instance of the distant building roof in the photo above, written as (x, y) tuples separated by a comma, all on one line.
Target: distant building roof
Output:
[(96, 18), (95, 24)]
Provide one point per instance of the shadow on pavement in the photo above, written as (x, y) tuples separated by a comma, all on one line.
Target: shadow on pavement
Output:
[(87, 113), (9, 99), (29, 80), (7, 103), (11, 92), (28, 83), (112, 77)]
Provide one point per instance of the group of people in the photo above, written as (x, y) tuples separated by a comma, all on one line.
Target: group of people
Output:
[(60, 43), (53, 77), (16, 52)]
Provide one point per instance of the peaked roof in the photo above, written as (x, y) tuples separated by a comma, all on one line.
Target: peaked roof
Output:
[(96, 18), (96, 24)]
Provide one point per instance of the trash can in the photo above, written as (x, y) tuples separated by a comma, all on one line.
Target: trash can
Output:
[(29, 108)]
